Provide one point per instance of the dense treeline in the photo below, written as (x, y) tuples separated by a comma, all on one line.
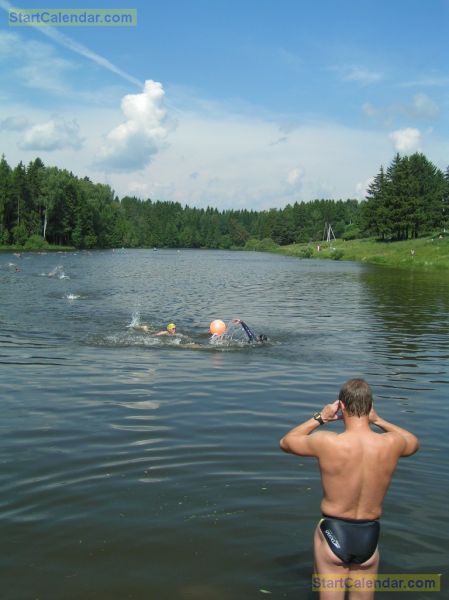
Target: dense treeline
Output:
[(40, 205), (409, 199), (46, 202)]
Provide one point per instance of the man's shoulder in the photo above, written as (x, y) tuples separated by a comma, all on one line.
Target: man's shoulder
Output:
[(387, 437), (393, 439), (326, 436)]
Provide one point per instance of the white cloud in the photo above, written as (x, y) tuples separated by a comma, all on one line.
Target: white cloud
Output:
[(36, 65), (55, 134), (295, 176), (230, 152), (7, 40), (33, 63), (369, 109), (421, 107), (132, 145), (427, 81), (359, 74), (137, 188), (290, 59), (280, 140), (424, 106), (66, 41), (101, 61), (14, 123), (406, 140), (239, 169), (362, 187)]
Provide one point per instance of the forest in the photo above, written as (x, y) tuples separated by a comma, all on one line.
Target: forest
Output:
[(44, 205)]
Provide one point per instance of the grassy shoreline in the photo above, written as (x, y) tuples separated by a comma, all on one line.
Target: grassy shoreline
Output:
[(21, 249), (430, 253)]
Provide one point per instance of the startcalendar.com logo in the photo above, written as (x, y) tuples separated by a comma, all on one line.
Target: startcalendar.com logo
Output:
[(73, 17), (363, 582)]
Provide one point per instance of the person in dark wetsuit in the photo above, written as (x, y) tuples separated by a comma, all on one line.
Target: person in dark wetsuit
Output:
[(356, 468), (252, 337)]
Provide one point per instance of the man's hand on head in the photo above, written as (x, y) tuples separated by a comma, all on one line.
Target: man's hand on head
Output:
[(373, 416), (330, 412)]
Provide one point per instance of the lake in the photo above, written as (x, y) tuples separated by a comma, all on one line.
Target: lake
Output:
[(137, 467)]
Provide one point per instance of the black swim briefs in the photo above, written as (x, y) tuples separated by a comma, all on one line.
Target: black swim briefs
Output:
[(352, 540)]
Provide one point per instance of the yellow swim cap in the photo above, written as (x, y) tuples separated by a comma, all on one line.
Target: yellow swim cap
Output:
[(171, 326)]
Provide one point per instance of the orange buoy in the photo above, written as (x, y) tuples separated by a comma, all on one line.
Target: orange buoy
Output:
[(217, 327)]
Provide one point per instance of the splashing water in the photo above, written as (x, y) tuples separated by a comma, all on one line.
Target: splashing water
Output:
[(140, 334), (233, 336), (58, 272), (135, 319)]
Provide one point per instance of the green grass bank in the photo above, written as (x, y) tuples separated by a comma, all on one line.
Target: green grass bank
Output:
[(28, 248), (430, 253)]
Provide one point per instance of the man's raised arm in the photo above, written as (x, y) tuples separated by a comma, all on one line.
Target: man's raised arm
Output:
[(411, 442), (299, 441)]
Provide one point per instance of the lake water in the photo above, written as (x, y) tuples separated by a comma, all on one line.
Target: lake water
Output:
[(135, 467)]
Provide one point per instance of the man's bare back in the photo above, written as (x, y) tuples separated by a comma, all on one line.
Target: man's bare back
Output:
[(356, 470)]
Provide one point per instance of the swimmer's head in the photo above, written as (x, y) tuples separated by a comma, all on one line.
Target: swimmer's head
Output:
[(171, 327), (357, 397), (262, 338)]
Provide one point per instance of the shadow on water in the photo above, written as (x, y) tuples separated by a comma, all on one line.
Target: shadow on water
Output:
[(414, 303)]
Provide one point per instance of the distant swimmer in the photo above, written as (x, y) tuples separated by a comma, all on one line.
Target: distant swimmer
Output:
[(170, 330), (252, 337), (356, 467)]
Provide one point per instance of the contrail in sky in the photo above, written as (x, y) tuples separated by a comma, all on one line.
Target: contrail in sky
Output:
[(68, 42)]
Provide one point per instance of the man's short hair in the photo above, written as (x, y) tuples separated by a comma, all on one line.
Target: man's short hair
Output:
[(357, 397)]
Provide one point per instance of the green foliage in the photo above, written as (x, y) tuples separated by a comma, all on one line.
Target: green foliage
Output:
[(5, 237), (307, 252), (265, 245), (225, 242), (351, 232), (407, 200), (36, 242), (337, 254), (37, 202), (424, 253), (19, 234), (252, 244)]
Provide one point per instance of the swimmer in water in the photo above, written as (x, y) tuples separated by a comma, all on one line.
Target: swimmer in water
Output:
[(170, 330), (252, 337)]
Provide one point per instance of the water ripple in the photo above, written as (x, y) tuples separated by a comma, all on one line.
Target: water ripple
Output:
[(121, 448)]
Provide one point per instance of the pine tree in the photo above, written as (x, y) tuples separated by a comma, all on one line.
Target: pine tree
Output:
[(20, 200), (34, 206), (428, 189), (5, 200)]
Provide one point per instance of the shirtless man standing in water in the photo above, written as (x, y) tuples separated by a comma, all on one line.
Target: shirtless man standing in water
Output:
[(356, 469)]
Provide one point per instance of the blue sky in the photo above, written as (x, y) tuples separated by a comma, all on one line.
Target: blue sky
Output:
[(231, 104)]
